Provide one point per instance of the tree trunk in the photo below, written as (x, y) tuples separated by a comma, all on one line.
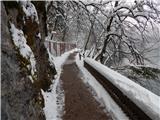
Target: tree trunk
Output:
[(90, 31), (106, 41)]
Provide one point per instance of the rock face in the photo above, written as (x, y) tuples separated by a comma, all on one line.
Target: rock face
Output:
[(22, 99)]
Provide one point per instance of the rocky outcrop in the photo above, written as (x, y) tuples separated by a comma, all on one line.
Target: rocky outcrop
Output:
[(21, 97)]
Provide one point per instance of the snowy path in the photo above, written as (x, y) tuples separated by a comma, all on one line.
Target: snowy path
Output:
[(79, 101), (77, 95)]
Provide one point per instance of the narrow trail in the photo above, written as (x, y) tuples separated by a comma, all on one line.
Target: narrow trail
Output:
[(79, 102)]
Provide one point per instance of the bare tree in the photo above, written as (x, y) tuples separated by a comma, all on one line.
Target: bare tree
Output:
[(120, 27), (120, 19)]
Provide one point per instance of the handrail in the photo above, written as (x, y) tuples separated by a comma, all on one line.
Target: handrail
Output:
[(58, 47), (59, 42), (144, 105)]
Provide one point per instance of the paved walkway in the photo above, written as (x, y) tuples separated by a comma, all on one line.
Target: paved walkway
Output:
[(79, 102)]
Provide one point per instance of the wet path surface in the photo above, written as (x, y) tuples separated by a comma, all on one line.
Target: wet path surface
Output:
[(79, 102)]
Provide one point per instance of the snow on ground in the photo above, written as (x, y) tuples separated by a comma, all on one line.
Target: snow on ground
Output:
[(54, 100), (102, 95), (59, 61), (20, 42), (146, 100)]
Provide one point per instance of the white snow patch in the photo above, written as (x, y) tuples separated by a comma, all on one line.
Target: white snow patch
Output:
[(102, 95), (39, 35), (54, 100), (53, 110), (146, 100), (30, 10), (60, 60), (20, 42)]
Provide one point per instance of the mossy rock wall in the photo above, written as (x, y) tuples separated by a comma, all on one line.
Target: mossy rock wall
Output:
[(22, 99)]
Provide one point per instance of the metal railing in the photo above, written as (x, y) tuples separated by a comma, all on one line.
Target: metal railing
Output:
[(57, 48)]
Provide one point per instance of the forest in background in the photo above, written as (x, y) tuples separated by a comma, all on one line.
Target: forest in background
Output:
[(114, 32)]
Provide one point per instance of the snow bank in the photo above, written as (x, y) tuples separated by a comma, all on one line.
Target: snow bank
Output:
[(54, 106), (101, 94), (30, 10), (60, 60), (146, 100), (20, 42), (54, 100)]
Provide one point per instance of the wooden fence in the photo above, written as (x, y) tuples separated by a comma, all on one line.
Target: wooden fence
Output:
[(58, 48)]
